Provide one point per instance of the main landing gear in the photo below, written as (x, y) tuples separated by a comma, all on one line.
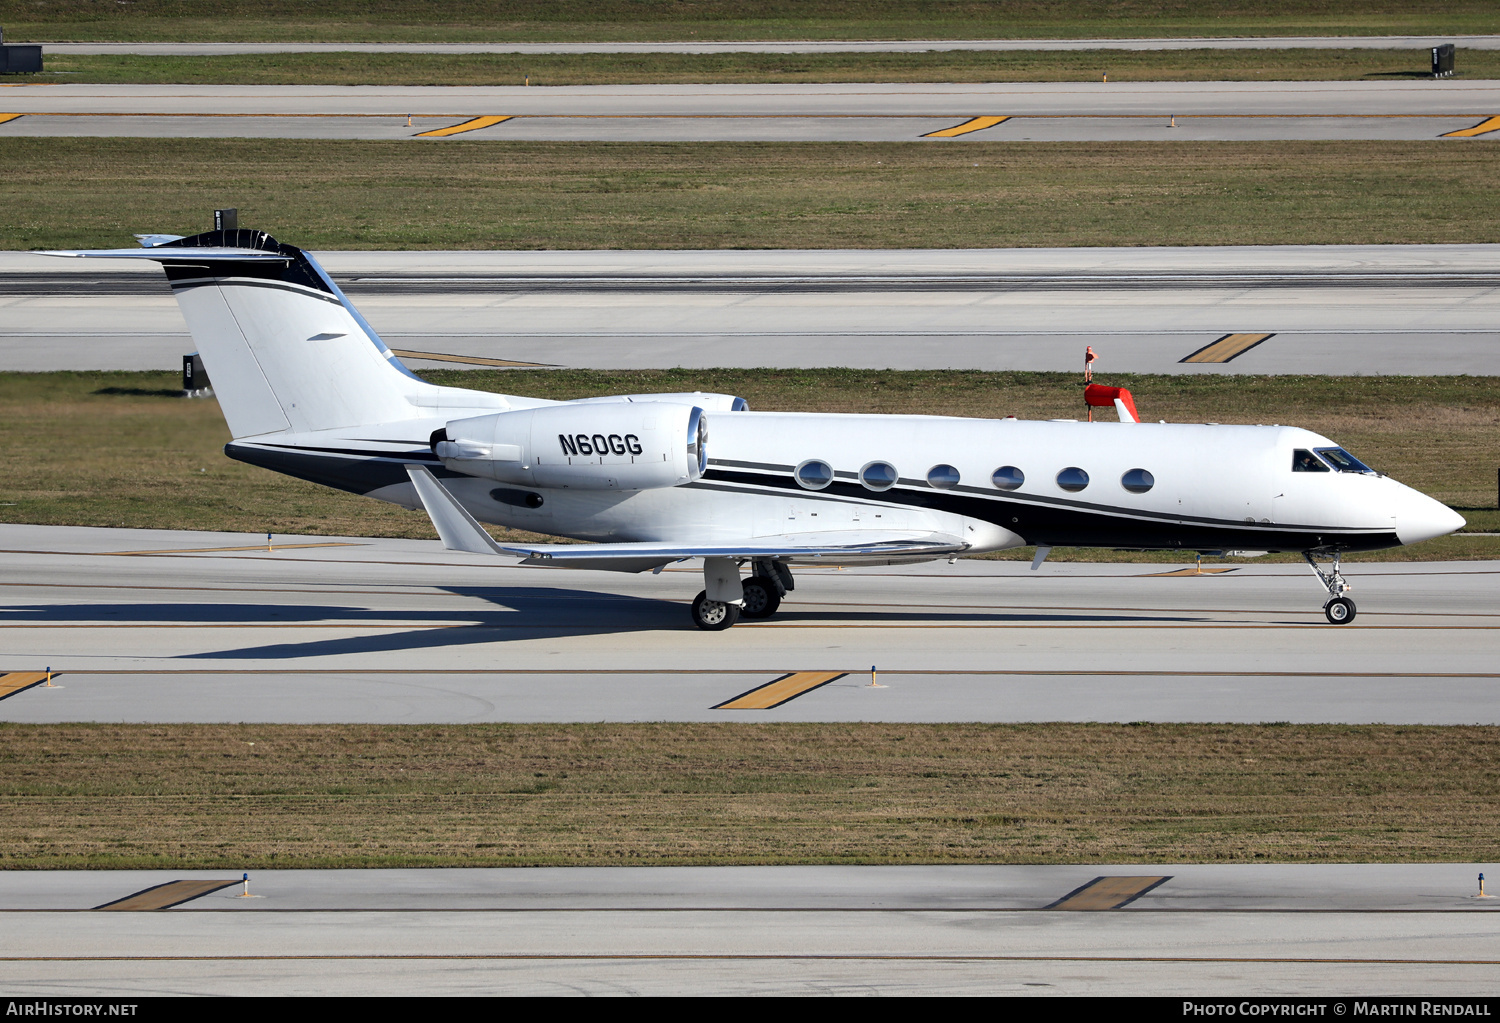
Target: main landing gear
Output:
[(725, 598), (1340, 609)]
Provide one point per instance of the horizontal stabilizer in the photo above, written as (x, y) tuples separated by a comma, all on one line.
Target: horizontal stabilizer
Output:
[(461, 532), (167, 254)]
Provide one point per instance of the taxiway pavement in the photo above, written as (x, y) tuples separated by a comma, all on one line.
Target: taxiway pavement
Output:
[(1335, 309), (1057, 111), (1208, 930), (146, 625)]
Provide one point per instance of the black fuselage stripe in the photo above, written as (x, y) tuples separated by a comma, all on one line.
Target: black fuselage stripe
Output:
[(215, 282)]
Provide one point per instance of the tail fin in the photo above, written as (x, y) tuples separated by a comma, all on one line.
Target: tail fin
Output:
[(283, 346)]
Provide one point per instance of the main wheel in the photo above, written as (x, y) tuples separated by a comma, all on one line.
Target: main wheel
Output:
[(762, 598), (714, 615), (1340, 610)]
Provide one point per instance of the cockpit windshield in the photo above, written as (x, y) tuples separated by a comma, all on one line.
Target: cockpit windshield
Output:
[(1344, 462), (1305, 461)]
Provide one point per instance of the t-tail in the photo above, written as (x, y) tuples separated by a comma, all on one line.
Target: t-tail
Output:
[(284, 347)]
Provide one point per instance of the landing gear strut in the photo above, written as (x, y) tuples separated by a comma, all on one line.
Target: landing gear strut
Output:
[(1340, 609)]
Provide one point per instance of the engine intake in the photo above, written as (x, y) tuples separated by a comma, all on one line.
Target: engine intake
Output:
[(586, 446)]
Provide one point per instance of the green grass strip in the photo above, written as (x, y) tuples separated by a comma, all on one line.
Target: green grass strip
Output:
[(520, 195), (689, 20), (122, 449), (255, 796), (353, 68)]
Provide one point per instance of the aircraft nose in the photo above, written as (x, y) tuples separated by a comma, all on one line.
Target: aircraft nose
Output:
[(1420, 518)]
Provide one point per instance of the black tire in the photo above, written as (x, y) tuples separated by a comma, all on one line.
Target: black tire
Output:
[(762, 598), (1339, 610), (713, 615)]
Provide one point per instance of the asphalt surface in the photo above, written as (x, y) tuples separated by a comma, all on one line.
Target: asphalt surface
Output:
[(402, 631), (1330, 309), (1471, 42), (1204, 930), (842, 112)]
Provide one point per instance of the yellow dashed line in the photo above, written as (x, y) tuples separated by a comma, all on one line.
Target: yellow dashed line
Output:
[(1109, 892), (473, 124), (971, 125), (1484, 127), (13, 682), (1228, 347), (470, 360), (1190, 571), (782, 690), (165, 896)]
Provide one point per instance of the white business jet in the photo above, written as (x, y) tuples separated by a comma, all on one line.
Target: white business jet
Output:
[(310, 390)]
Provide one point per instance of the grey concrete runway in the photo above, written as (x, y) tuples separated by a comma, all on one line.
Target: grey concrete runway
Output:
[(1217, 930), (881, 112), (750, 128), (1331, 309), (401, 631), (1471, 42), (1446, 97)]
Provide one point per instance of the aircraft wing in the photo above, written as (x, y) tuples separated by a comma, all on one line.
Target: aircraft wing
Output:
[(460, 531)]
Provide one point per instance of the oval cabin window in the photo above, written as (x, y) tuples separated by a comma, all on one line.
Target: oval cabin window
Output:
[(942, 477), (814, 474), (1072, 479), (878, 476), (1008, 477), (1138, 481)]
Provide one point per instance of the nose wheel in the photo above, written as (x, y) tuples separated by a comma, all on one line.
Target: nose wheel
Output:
[(1340, 609)]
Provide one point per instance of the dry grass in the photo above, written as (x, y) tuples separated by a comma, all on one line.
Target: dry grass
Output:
[(485, 20), (247, 796), (514, 195), (355, 68), (121, 449)]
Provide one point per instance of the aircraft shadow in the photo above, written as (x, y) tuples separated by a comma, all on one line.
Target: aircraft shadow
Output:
[(521, 613)]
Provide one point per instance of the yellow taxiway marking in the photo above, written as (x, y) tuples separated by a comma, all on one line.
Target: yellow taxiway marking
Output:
[(1228, 347), (781, 690), (1109, 892), (971, 125), (1190, 571), (473, 124), (471, 360), (165, 896), (9, 117), (1484, 127), (13, 682), (248, 547)]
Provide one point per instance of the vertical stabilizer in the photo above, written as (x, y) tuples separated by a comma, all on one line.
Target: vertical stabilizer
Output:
[(280, 342), (285, 349)]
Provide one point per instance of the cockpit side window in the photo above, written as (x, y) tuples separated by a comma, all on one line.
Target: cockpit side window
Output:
[(1344, 462), (1305, 461)]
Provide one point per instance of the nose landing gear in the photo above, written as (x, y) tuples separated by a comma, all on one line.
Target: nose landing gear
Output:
[(1340, 609)]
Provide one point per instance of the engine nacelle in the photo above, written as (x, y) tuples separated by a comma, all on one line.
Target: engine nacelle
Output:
[(586, 446), (707, 401)]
